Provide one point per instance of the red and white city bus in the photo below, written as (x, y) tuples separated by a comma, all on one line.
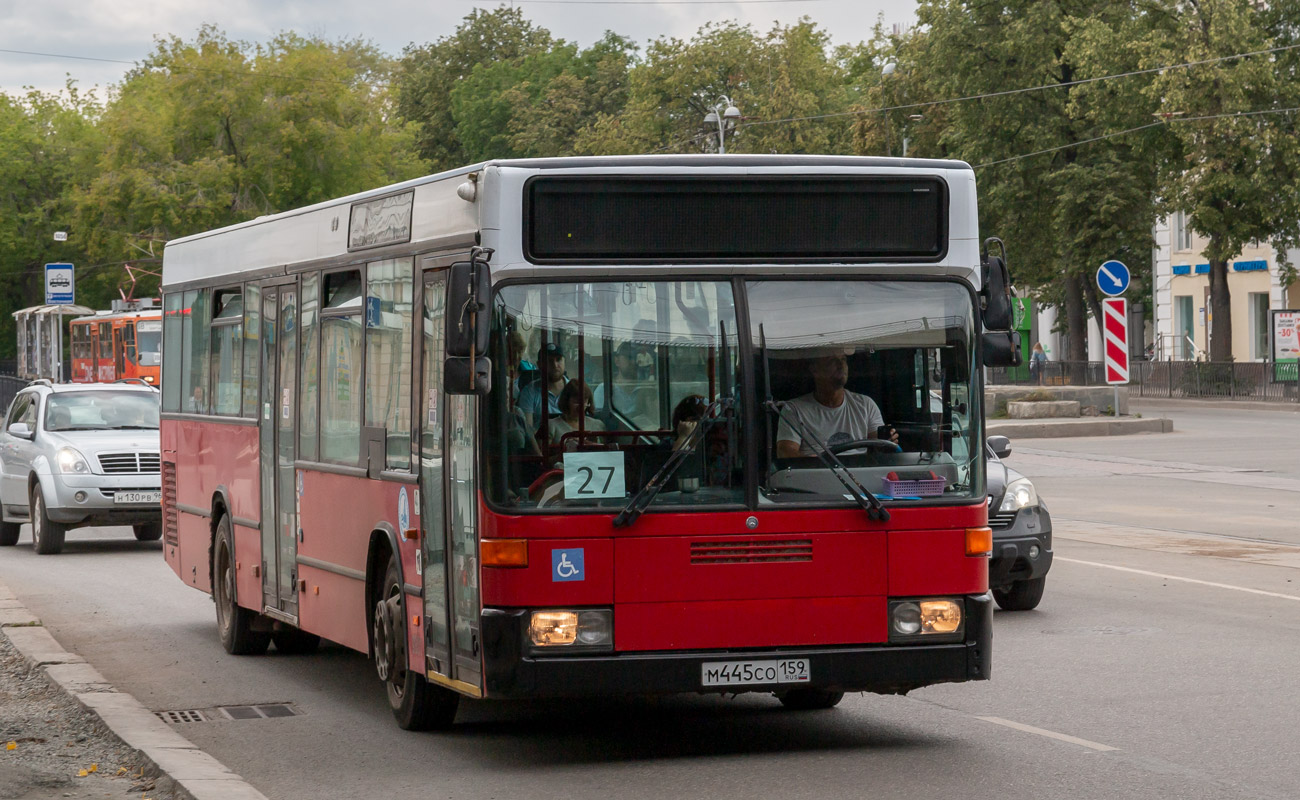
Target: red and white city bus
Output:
[(541, 428), (123, 343)]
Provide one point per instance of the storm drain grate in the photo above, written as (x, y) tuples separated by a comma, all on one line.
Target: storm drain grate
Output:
[(174, 717), (268, 711), (262, 711)]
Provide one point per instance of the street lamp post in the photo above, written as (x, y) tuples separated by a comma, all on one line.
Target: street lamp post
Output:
[(725, 117)]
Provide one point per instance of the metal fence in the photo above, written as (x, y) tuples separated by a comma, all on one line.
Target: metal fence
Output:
[(9, 386), (1218, 380)]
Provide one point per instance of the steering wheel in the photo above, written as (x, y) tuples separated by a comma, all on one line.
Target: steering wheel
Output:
[(870, 444)]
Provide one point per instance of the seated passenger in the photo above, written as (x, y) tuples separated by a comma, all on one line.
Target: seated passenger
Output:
[(830, 412), (686, 416), (575, 404)]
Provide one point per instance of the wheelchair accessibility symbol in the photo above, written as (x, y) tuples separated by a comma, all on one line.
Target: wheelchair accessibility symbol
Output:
[(567, 565)]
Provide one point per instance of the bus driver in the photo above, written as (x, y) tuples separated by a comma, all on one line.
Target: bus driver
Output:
[(831, 412)]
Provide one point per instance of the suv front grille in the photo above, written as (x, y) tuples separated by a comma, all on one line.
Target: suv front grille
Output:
[(1002, 520), (128, 463)]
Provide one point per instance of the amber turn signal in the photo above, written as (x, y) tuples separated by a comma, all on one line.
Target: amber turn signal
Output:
[(979, 541), (504, 552)]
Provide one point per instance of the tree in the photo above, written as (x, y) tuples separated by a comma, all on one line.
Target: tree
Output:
[(214, 132), (427, 76), (47, 144), (1234, 167), (1063, 203)]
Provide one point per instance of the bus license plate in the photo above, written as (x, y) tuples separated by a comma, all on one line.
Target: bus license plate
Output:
[(137, 497), (741, 673)]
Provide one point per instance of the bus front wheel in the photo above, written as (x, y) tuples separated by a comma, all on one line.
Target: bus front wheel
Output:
[(417, 704), (234, 622), (810, 699)]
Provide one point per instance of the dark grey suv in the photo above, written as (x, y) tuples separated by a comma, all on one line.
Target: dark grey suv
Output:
[(1022, 533), (80, 454)]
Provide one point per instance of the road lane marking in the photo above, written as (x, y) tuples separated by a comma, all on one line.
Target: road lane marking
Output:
[(1049, 734), (1184, 580)]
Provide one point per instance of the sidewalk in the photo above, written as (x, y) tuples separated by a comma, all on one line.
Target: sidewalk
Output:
[(182, 770), (1244, 405), (1076, 426)]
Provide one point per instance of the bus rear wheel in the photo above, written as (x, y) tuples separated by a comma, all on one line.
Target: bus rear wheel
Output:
[(234, 623), (417, 704), (809, 699)]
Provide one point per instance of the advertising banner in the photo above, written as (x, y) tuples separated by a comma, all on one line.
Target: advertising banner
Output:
[(1284, 344)]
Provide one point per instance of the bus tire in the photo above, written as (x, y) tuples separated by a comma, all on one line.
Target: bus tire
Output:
[(810, 699), (234, 622), (1021, 595), (148, 532), (295, 642), (9, 533), (47, 535), (417, 704)]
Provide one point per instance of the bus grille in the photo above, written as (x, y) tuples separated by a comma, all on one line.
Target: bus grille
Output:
[(751, 552), (128, 463), (170, 532)]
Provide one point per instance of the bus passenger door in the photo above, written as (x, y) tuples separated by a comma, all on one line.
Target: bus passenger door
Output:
[(279, 441), (447, 508)]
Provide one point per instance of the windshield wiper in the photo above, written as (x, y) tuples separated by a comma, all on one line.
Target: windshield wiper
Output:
[(135, 427), (864, 498), (642, 499)]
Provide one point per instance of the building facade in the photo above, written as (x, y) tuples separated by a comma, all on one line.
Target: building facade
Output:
[(1181, 303)]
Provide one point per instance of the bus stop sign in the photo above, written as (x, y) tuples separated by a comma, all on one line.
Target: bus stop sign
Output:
[(60, 287)]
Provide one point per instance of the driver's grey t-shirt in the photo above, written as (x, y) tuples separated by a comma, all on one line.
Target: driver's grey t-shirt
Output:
[(858, 417)]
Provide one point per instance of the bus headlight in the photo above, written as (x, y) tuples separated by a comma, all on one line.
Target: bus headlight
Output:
[(586, 629), (70, 462), (917, 618), (1020, 494)]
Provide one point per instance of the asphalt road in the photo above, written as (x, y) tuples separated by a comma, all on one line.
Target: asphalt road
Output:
[(1160, 664)]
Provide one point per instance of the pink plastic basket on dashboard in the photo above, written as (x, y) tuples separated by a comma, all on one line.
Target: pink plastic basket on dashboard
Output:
[(926, 487)]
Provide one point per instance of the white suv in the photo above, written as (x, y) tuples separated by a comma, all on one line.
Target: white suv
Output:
[(80, 454)]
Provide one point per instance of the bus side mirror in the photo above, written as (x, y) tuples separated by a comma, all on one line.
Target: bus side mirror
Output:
[(468, 321), (1001, 348), (467, 375), (997, 294)]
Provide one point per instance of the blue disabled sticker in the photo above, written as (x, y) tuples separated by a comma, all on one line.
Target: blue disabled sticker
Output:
[(566, 565)]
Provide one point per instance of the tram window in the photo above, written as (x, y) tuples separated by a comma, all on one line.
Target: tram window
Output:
[(106, 341), (172, 347), (388, 355), (128, 341)]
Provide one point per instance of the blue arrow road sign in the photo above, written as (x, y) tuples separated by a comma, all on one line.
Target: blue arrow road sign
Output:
[(1112, 278), (59, 285)]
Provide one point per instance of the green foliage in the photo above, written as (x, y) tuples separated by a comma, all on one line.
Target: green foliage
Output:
[(214, 132), (46, 143)]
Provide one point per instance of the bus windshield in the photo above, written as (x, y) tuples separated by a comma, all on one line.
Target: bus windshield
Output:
[(596, 385), (148, 336), (876, 373)]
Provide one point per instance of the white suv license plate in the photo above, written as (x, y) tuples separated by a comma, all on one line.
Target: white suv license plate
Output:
[(744, 673), (137, 497)]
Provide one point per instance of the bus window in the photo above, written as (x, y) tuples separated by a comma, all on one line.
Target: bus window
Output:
[(340, 347), (657, 362), (389, 320)]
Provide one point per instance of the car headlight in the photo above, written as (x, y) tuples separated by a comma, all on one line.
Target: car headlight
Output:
[(69, 461), (1020, 494)]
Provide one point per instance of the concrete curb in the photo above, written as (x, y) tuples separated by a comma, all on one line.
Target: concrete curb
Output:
[(1089, 426), (191, 773)]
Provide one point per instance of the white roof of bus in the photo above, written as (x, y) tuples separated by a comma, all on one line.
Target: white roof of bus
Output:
[(320, 231)]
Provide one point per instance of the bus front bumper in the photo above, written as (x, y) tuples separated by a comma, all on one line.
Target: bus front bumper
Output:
[(512, 672)]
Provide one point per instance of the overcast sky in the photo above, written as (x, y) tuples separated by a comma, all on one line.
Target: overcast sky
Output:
[(124, 30)]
